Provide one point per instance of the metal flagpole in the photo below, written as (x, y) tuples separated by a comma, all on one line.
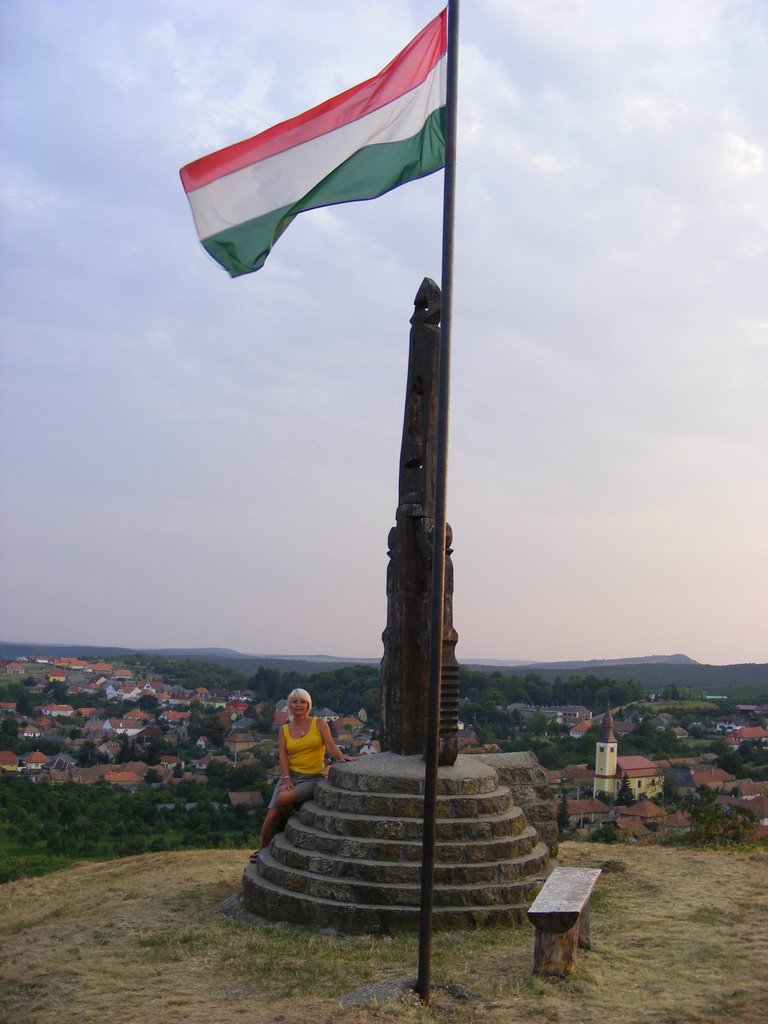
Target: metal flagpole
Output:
[(423, 985)]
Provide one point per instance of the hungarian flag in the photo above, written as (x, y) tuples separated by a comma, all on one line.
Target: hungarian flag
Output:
[(358, 145)]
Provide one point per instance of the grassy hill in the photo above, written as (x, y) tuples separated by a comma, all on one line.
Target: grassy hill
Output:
[(679, 938)]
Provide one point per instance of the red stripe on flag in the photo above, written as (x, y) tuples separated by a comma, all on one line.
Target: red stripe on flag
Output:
[(406, 71)]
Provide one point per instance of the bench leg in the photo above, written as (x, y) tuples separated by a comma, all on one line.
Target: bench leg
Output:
[(554, 954), (585, 942)]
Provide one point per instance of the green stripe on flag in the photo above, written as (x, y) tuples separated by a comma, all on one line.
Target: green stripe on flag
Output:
[(367, 174)]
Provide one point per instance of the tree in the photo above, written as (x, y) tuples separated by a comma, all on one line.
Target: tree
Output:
[(563, 816), (537, 723), (712, 824), (625, 797), (606, 833)]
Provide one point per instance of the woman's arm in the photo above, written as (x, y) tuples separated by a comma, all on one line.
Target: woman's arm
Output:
[(330, 744), (282, 756)]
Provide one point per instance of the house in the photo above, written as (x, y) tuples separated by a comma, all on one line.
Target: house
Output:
[(580, 729), (115, 690), (582, 812), (237, 708), (250, 799), (370, 747), (202, 763), (30, 731), (60, 762), (280, 715), (346, 723), (124, 778), (8, 761), (680, 821), (237, 742), (94, 727), (662, 722), (644, 810), (58, 776), (327, 715), (576, 780), (122, 727), (243, 724), (57, 710), (623, 728), (632, 829), (758, 806), (33, 762), (748, 734), (466, 738), (177, 720), (139, 717), (712, 778), (746, 788), (110, 749)]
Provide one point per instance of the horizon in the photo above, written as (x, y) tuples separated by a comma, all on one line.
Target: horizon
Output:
[(165, 648), (186, 455)]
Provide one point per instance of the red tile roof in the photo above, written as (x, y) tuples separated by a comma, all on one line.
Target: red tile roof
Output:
[(644, 809)]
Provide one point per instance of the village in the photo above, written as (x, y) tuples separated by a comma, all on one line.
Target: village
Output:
[(88, 721)]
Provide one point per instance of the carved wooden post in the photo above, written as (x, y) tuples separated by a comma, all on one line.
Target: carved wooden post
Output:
[(404, 666)]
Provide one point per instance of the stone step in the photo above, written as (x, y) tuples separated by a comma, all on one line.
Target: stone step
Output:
[(267, 900), (411, 805), (398, 873), (395, 773), (303, 836), (392, 893), (509, 823)]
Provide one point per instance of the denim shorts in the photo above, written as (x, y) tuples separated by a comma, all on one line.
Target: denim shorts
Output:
[(303, 787)]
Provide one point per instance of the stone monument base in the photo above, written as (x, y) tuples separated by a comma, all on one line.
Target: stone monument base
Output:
[(350, 860)]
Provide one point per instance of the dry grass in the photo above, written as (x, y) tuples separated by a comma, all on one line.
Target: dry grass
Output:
[(679, 936)]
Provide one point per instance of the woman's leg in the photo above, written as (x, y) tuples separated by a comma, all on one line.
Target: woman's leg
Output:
[(268, 829)]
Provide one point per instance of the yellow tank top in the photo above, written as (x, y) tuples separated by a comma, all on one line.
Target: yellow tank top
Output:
[(306, 755)]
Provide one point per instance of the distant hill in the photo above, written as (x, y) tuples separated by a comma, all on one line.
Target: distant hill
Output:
[(593, 664), (655, 672), (248, 664), (652, 674)]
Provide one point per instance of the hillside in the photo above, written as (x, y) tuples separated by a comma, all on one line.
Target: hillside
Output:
[(654, 671), (679, 938)]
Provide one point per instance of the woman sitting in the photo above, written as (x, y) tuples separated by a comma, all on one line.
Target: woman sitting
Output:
[(301, 747)]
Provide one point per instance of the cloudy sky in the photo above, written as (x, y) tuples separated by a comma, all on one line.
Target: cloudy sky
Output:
[(192, 460)]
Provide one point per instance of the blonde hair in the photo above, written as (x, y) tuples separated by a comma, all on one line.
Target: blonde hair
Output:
[(303, 695)]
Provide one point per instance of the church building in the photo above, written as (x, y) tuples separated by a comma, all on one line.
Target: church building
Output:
[(644, 778)]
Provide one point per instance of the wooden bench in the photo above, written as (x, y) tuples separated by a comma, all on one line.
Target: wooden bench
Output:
[(560, 915)]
